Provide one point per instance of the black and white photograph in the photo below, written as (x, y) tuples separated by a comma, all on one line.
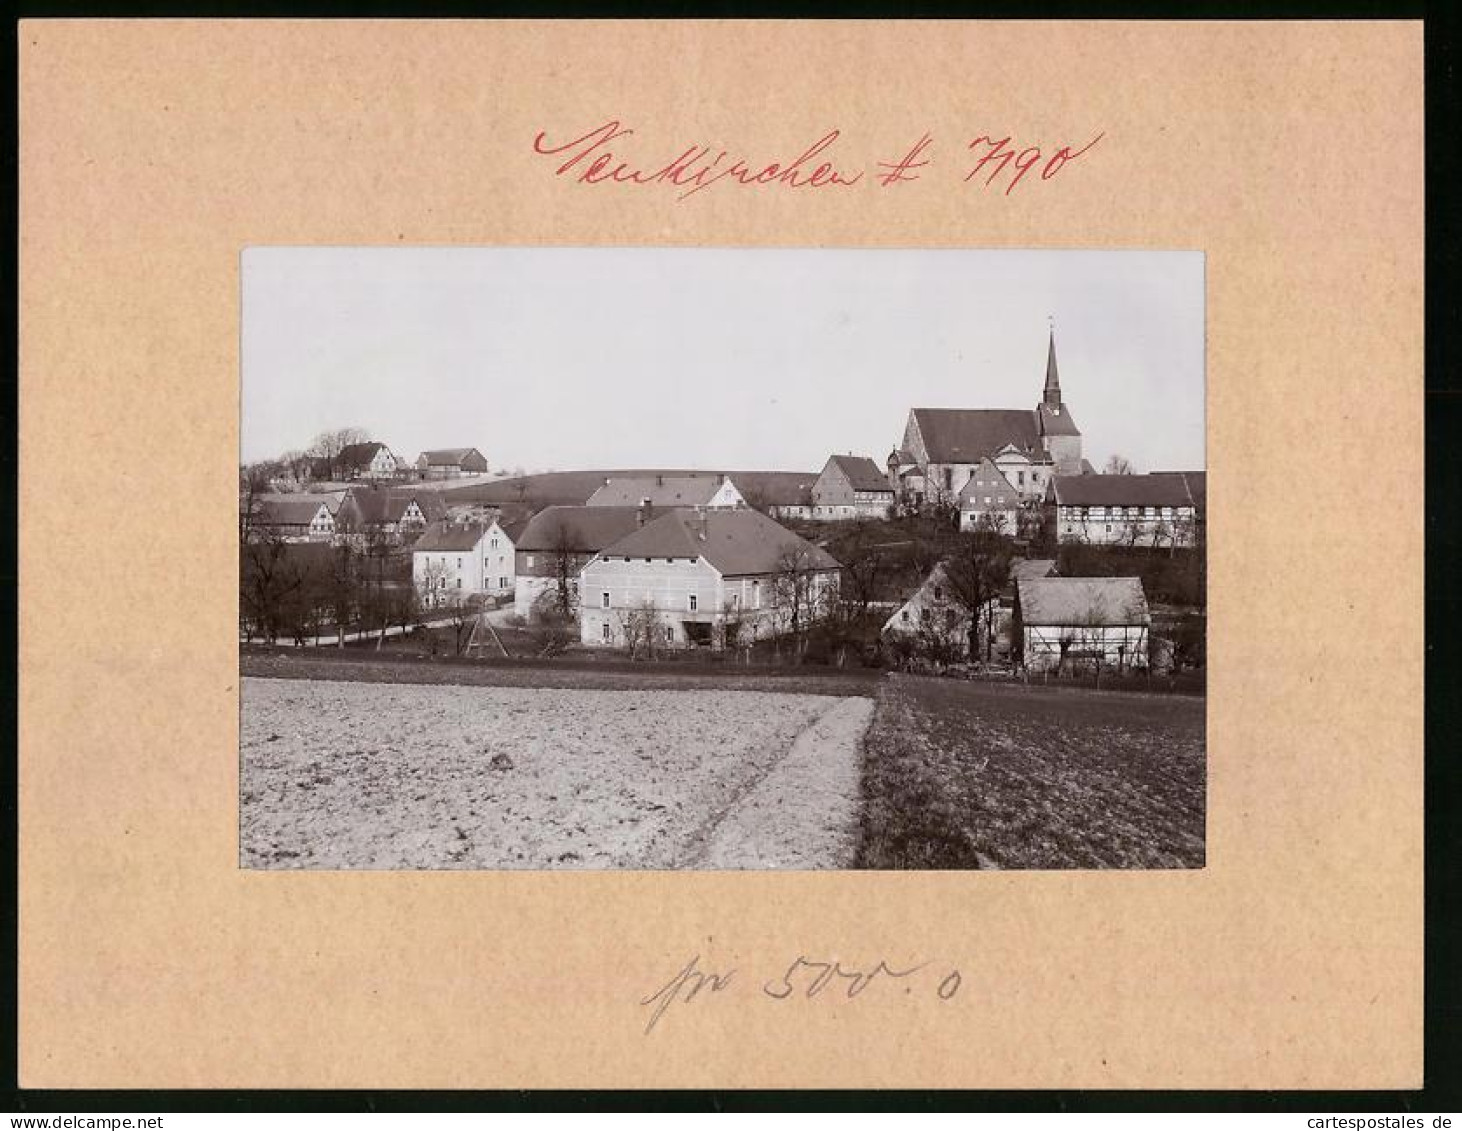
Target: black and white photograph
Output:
[(713, 559)]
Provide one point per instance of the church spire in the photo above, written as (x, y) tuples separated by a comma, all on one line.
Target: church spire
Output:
[(1052, 396)]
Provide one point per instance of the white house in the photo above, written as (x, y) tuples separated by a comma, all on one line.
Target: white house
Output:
[(987, 499), (370, 460), (851, 487), (450, 562), (936, 618), (1071, 623), (704, 578), (499, 564), (554, 545), (712, 492), (1127, 510)]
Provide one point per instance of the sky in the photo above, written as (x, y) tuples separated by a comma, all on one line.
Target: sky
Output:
[(562, 358)]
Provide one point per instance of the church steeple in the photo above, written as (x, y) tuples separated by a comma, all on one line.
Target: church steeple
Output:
[(1051, 398)]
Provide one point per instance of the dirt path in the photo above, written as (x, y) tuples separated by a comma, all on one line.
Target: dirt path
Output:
[(803, 814)]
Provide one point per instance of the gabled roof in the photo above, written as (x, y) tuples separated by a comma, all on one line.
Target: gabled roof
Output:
[(580, 530), (989, 480), (1082, 601), (513, 529), (735, 542), (661, 490), (862, 473), (289, 509), (967, 435), (372, 506), (1057, 421), (450, 536), (1164, 490), (358, 455), (446, 457), (1196, 483), (1031, 567)]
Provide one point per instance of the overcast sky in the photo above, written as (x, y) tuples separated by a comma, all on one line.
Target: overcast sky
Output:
[(559, 358)]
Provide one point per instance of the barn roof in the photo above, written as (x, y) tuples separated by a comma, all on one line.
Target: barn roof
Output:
[(289, 509), (1082, 601), (450, 536), (1196, 483), (1031, 567), (661, 490), (862, 473), (373, 505), (358, 455), (1161, 490), (735, 542), (966, 435), (580, 530), (446, 457)]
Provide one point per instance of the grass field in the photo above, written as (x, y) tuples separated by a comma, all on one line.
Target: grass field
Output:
[(966, 775)]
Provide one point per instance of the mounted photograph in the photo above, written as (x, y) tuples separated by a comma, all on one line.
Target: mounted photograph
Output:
[(707, 559)]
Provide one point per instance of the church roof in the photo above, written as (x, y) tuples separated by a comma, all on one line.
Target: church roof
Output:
[(1057, 421), (968, 435)]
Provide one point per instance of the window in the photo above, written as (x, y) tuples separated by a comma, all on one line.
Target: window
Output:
[(626, 560), (692, 602), (1020, 478), (924, 616), (949, 478), (604, 633), (459, 563), (938, 593), (669, 635), (756, 594), (502, 583), (604, 599), (493, 544), (459, 583), (736, 600), (948, 618), (530, 561), (904, 616)]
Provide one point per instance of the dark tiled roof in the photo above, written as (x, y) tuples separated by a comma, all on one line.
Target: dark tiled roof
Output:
[(1057, 423), (289, 510), (371, 506), (1121, 491), (862, 473), (1197, 484), (448, 457), (358, 455), (967, 435), (450, 536), (1031, 567), (583, 530), (1082, 601), (737, 543)]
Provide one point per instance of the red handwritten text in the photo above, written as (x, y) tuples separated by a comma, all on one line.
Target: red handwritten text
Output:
[(694, 169), (1025, 160)]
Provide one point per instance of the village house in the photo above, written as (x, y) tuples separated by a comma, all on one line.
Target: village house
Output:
[(449, 463), (937, 621), (450, 562), (942, 448), (1068, 624), (294, 517), (780, 494), (1127, 510), (556, 543), (713, 491), (988, 501), (499, 557), (370, 460), (709, 578), (377, 515), (851, 487)]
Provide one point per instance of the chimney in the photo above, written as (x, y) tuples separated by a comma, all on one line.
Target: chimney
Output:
[(644, 515), (659, 481)]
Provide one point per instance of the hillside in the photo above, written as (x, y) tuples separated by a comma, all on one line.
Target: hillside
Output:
[(573, 488)]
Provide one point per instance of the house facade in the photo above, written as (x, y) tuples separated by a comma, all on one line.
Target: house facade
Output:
[(557, 542), (499, 558), (386, 515), (1068, 624), (292, 517), (938, 622), (711, 578), (1127, 510), (370, 460), (942, 448), (449, 563), (851, 487), (988, 501), (450, 463)]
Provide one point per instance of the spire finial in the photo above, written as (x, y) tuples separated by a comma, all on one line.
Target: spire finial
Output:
[(1052, 394)]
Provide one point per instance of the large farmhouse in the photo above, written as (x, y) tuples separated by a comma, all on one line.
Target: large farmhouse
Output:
[(710, 578), (556, 543), (1067, 623), (291, 517), (988, 501), (851, 487), (449, 563), (370, 460), (449, 463), (1160, 509), (377, 515), (942, 448)]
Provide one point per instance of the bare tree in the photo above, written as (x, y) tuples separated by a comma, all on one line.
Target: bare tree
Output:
[(641, 628), (565, 559), (797, 590), (327, 446), (977, 568), (1118, 465)]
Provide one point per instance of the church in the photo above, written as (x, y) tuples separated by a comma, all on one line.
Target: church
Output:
[(943, 447)]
